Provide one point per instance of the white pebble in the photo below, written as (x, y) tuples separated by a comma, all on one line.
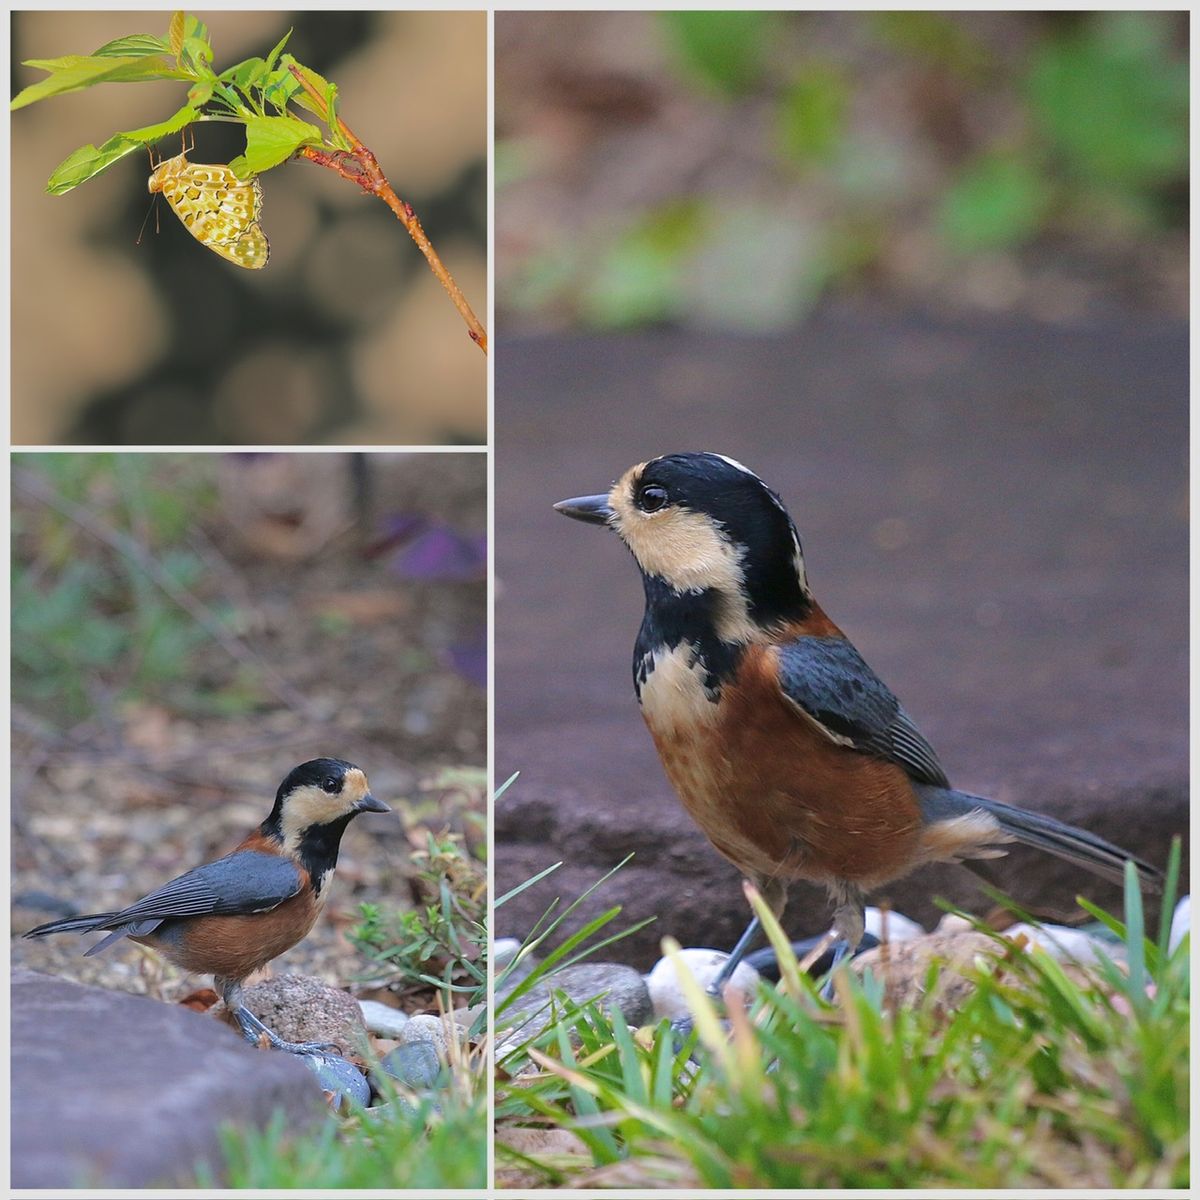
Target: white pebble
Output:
[(1064, 943), (1181, 922), (504, 951), (899, 927), (382, 1019), (663, 984)]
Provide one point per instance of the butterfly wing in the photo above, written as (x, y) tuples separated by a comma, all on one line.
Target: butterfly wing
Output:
[(216, 207)]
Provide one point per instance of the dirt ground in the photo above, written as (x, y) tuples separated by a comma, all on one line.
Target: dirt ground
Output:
[(335, 648)]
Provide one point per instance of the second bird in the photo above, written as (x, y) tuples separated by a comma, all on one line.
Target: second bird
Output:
[(786, 749), (231, 917)]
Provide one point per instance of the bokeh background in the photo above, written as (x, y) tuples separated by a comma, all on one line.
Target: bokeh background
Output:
[(345, 337), (735, 170), (187, 628)]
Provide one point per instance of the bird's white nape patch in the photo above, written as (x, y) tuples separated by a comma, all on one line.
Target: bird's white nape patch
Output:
[(737, 466)]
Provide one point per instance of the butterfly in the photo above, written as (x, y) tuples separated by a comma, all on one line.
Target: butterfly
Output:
[(219, 209)]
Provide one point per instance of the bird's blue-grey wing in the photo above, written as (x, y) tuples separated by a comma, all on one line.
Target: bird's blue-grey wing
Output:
[(246, 881), (829, 681)]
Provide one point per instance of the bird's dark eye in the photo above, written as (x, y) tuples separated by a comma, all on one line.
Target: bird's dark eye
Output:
[(651, 498), (331, 784)]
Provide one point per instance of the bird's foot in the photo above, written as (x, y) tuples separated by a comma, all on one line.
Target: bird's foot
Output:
[(255, 1032), (841, 951)]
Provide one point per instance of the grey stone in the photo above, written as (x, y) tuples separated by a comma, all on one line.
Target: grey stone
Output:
[(302, 1008), (619, 988), (345, 1083), (382, 1019), (118, 1091), (427, 1028), (416, 1065), (994, 510)]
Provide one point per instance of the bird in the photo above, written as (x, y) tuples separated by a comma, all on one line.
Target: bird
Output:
[(784, 746), (230, 917)]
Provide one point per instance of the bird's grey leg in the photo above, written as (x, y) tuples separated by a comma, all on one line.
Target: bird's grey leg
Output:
[(847, 924), (774, 892), (253, 1030)]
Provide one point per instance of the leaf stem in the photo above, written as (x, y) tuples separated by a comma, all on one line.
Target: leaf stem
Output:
[(360, 166)]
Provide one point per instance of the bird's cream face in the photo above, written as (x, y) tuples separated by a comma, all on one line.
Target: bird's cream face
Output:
[(313, 804), (687, 549)]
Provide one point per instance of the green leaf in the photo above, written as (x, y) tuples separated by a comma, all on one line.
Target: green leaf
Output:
[(88, 161), (270, 141), (318, 82), (281, 85), (74, 72), (996, 202), (725, 50), (200, 93), (197, 56), (136, 45), (173, 124), (176, 31), (245, 74), (273, 57)]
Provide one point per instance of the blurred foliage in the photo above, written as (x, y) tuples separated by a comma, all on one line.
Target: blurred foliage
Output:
[(902, 147), (90, 628)]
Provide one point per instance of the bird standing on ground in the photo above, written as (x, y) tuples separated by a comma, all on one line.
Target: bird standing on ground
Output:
[(787, 750), (230, 917)]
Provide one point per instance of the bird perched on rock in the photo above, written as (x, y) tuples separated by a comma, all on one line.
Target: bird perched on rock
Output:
[(787, 750), (230, 917)]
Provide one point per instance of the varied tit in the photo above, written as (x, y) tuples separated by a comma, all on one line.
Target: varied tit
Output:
[(230, 917), (786, 749)]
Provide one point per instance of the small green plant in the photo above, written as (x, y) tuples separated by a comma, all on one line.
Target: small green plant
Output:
[(1042, 1077), (442, 942), (266, 95)]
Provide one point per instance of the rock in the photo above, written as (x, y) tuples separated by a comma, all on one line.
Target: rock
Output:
[(345, 1083), (417, 1065), (1066, 944), (1035, 623), (504, 951), (382, 1019), (618, 987), (1181, 922), (667, 996), (118, 1091), (301, 1008), (430, 1030), (903, 967), (899, 927)]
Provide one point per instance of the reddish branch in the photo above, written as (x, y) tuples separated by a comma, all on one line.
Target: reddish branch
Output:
[(360, 166)]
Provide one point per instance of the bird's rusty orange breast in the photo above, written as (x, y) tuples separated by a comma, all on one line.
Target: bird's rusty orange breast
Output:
[(773, 793)]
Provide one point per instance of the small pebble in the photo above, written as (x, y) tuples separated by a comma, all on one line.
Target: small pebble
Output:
[(416, 1065), (1064, 943), (1181, 922), (382, 1019), (663, 982), (335, 1074), (899, 927), (430, 1030)]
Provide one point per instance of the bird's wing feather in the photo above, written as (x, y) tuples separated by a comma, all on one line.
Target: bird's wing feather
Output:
[(828, 679), (246, 881)]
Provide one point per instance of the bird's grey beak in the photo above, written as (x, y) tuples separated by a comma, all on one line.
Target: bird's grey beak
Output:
[(595, 510), (368, 803)]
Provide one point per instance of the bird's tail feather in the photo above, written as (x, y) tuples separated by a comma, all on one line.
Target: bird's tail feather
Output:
[(72, 925), (1045, 833)]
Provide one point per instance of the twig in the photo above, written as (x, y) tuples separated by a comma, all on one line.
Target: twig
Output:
[(38, 489), (360, 166)]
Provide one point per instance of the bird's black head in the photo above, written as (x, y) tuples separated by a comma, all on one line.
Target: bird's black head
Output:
[(703, 523), (319, 797)]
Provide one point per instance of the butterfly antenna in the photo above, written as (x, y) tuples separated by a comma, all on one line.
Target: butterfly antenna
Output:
[(152, 209)]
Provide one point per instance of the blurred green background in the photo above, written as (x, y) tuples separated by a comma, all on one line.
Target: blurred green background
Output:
[(735, 169)]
